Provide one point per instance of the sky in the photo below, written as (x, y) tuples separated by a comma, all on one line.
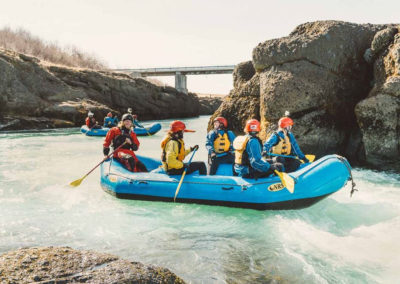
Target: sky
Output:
[(179, 33)]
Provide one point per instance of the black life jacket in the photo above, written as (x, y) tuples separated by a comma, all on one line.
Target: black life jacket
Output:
[(120, 139), (92, 122)]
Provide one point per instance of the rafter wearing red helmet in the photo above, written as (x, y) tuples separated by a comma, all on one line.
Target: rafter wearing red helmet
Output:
[(248, 158), (283, 142), (174, 151), (110, 121), (219, 144)]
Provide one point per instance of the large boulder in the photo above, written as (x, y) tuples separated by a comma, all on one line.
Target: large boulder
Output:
[(66, 265), (241, 104), (319, 73), (379, 114), (242, 73), (31, 88)]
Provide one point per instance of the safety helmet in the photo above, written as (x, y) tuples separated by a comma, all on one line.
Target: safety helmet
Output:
[(90, 113), (127, 116), (177, 126), (252, 125), (221, 120), (285, 122), (109, 114)]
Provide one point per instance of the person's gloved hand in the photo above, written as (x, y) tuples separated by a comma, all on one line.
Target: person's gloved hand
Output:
[(134, 147), (277, 167), (106, 151), (195, 147), (213, 155), (264, 154)]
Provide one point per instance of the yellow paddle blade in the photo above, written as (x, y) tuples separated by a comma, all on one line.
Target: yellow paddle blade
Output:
[(286, 180), (179, 185), (77, 182), (311, 158)]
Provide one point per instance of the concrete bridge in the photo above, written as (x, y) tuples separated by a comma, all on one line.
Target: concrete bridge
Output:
[(180, 73)]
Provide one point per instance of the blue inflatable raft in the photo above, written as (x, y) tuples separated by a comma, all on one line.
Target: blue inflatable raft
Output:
[(313, 182), (147, 130)]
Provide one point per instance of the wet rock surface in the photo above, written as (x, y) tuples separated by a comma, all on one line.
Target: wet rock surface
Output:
[(66, 265)]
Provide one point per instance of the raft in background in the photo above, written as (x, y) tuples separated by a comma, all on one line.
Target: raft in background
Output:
[(313, 182), (148, 130)]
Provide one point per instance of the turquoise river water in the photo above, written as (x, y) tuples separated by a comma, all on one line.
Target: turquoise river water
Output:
[(338, 240)]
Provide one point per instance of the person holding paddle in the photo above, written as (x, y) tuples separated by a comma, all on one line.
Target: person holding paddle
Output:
[(91, 122), (124, 135), (282, 144), (248, 158), (174, 152)]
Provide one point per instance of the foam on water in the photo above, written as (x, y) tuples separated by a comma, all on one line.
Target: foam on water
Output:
[(338, 240)]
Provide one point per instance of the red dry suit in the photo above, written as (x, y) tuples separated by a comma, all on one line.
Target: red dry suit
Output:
[(116, 136)]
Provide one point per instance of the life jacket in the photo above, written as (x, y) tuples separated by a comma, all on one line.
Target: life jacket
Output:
[(109, 122), (221, 143), (284, 147), (121, 138), (241, 155), (181, 148)]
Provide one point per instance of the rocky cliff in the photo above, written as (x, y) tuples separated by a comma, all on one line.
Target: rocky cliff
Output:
[(340, 82), (37, 94), (66, 265)]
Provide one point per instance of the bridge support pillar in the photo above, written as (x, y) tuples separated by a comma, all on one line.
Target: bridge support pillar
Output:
[(180, 82)]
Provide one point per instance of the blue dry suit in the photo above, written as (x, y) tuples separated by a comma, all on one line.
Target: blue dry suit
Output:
[(253, 149), (110, 122), (212, 135), (274, 139)]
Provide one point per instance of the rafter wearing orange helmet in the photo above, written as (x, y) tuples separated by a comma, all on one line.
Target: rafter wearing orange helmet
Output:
[(248, 158), (174, 151), (283, 142), (219, 144)]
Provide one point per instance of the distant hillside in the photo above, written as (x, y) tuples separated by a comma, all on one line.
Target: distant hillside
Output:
[(23, 41)]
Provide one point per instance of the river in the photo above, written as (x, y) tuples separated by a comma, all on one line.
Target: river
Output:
[(338, 240)]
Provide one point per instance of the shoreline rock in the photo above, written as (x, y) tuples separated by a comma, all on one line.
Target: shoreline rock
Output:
[(30, 88), (66, 265)]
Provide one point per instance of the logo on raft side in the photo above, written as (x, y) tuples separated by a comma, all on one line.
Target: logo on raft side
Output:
[(276, 187), (112, 178)]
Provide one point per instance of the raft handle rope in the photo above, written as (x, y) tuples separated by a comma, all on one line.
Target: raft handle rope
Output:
[(353, 184)]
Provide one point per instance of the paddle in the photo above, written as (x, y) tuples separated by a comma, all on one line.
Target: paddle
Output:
[(141, 125), (311, 158), (286, 180), (77, 182), (183, 176)]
